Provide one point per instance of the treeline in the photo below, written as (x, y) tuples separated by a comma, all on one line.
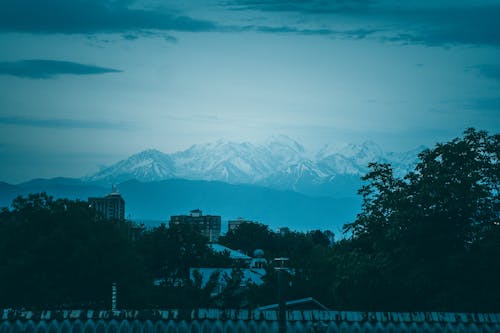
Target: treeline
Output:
[(59, 254), (426, 241)]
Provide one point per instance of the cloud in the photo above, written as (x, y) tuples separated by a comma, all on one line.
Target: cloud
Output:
[(287, 29), (46, 69), (467, 23), (488, 71), (445, 26), (349, 34), (63, 123), (89, 17), (300, 6)]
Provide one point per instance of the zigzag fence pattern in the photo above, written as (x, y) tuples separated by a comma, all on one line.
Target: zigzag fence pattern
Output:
[(243, 321)]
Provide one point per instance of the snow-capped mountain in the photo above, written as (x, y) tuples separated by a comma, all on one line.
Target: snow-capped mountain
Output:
[(223, 160), (404, 161), (354, 159), (284, 150), (279, 162), (337, 164), (298, 177), (363, 154), (148, 165)]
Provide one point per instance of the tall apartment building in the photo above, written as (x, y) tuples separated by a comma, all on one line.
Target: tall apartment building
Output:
[(210, 225), (110, 207), (233, 224)]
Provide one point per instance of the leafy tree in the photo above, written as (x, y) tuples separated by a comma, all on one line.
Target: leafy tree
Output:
[(248, 237), (170, 252), (53, 253), (421, 229)]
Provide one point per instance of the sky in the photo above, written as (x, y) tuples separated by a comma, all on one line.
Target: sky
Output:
[(85, 83)]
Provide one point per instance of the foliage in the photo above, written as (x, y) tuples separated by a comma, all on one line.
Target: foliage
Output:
[(248, 237), (53, 253), (425, 232)]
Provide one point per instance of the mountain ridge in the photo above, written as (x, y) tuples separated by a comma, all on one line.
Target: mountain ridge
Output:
[(277, 182), (279, 162)]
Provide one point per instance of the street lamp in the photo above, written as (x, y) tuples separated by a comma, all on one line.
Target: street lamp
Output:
[(280, 267)]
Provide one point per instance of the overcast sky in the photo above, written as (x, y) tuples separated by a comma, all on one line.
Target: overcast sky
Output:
[(86, 83)]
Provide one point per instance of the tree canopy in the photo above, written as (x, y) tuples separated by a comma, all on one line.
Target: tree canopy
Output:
[(430, 235), (52, 252)]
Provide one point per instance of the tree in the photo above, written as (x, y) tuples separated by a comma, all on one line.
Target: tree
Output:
[(249, 237), (170, 252), (53, 253), (425, 226)]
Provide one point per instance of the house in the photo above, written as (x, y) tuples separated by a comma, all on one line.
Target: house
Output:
[(251, 269), (233, 254)]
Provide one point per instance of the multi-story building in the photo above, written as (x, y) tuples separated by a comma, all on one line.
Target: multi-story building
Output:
[(233, 224), (210, 225), (110, 207)]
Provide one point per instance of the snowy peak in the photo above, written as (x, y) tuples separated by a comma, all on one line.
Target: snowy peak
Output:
[(307, 170), (148, 165), (279, 162), (329, 150), (338, 164), (365, 150), (403, 162), (222, 160), (350, 159), (283, 142)]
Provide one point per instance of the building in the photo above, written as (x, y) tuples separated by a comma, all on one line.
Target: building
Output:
[(210, 225), (233, 224), (110, 207), (236, 256), (302, 304), (251, 270), (283, 231), (224, 275)]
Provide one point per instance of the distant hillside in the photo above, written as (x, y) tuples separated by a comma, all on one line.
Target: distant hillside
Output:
[(7, 193), (158, 200)]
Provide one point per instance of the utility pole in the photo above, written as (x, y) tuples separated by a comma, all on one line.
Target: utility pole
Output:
[(281, 269), (114, 293)]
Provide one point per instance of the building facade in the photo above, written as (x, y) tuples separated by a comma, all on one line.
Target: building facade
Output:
[(210, 225), (234, 224), (110, 207)]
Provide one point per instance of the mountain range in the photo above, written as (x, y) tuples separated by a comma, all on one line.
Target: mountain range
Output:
[(277, 182), (279, 163)]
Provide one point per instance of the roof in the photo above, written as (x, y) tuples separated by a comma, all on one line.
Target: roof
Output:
[(308, 302), (233, 254), (249, 275)]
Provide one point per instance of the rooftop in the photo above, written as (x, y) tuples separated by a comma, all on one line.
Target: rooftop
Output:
[(233, 254)]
